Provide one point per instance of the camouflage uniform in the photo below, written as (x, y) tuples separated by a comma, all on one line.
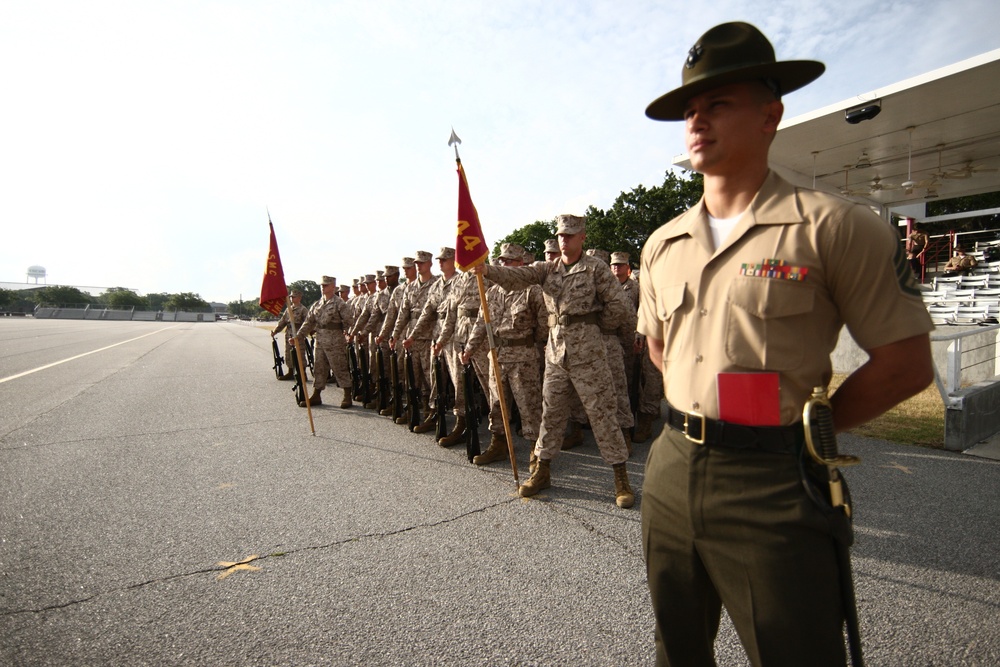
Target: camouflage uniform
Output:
[(461, 313), (429, 326), (617, 334), (519, 319), (298, 314), (329, 318), (410, 308), (575, 356)]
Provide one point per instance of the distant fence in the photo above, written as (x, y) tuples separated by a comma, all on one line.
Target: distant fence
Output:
[(967, 375), (126, 314)]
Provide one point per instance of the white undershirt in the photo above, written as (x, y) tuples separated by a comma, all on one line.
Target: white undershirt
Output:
[(722, 227)]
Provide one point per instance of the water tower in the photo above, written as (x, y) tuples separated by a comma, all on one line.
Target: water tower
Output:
[(36, 272)]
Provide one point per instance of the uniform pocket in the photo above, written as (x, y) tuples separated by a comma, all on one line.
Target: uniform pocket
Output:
[(767, 318), (669, 299)]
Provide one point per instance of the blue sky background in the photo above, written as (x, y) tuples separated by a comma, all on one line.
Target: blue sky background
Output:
[(141, 143)]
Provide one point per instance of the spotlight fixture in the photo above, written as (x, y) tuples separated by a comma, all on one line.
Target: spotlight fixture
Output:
[(865, 111), (863, 162)]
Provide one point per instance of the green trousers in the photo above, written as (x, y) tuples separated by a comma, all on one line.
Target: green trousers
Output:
[(734, 527)]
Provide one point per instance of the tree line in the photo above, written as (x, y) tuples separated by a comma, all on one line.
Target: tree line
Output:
[(117, 298)]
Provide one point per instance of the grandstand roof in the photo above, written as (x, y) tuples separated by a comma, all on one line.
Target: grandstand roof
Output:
[(955, 115)]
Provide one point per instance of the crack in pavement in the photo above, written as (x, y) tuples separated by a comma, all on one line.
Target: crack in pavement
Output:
[(277, 554)]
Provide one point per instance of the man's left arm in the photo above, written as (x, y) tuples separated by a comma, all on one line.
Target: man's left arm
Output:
[(893, 373)]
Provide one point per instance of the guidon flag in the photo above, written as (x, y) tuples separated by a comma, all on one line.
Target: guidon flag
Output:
[(470, 246), (273, 291)]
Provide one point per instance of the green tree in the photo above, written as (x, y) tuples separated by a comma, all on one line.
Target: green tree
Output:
[(62, 295), (7, 298), (636, 214), (531, 237), (625, 226), (186, 301), (311, 291), (122, 298), (243, 308), (157, 301)]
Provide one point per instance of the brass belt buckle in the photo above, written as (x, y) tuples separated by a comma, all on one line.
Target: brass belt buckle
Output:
[(687, 434)]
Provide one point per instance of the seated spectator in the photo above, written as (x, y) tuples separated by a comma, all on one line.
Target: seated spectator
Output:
[(960, 264)]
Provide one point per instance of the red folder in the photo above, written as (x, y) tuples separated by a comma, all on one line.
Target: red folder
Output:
[(753, 399)]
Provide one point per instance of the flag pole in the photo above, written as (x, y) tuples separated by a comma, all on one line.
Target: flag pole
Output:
[(302, 364), (454, 140), (274, 276)]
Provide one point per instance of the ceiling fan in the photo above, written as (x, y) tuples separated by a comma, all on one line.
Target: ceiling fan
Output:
[(877, 185), (968, 170), (846, 190)]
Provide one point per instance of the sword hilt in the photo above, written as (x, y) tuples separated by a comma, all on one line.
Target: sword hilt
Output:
[(818, 412)]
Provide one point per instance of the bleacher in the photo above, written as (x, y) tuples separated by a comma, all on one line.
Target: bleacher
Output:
[(967, 300)]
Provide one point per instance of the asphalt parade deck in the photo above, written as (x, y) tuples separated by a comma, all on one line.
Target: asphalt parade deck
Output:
[(163, 502)]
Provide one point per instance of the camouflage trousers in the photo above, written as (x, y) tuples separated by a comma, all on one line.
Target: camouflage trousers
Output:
[(651, 388), (616, 364), (520, 382), (330, 353), (423, 370), (480, 364), (588, 378)]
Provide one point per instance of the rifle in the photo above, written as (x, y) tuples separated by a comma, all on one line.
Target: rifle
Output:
[(633, 389), (308, 347), (352, 364), (441, 429), (277, 358), (300, 386), (821, 444), (366, 385), (398, 392), (412, 393), (472, 416), (382, 382)]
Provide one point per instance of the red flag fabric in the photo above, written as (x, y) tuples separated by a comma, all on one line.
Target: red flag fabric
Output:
[(470, 246), (273, 291)]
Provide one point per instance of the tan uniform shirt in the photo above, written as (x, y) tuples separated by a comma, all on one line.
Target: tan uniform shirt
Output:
[(773, 297)]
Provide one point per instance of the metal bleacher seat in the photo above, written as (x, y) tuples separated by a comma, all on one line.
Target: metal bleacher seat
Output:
[(969, 315), (973, 281), (946, 281), (942, 313)]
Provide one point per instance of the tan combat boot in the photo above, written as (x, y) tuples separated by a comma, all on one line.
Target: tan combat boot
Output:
[(457, 435), (532, 460), (623, 492), (428, 424), (497, 451), (643, 428), (539, 480), (287, 376), (313, 400), (347, 402), (575, 435), (404, 418)]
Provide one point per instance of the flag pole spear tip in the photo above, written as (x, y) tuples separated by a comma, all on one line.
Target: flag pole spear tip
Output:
[(456, 141)]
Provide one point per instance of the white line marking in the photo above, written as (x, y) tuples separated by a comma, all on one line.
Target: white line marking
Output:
[(63, 361)]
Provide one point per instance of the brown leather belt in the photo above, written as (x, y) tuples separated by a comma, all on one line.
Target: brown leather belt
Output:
[(714, 433)]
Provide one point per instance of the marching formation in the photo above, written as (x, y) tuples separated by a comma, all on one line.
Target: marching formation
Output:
[(415, 347)]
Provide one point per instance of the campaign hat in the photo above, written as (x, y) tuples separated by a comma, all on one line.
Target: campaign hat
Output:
[(732, 53)]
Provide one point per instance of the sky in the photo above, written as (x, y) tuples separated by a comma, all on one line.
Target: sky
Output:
[(143, 143)]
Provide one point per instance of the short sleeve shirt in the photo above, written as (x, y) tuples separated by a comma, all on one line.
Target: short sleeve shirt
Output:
[(799, 265)]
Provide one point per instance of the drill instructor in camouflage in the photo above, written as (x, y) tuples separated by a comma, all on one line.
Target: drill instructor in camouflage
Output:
[(576, 289), (519, 319), (329, 318)]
